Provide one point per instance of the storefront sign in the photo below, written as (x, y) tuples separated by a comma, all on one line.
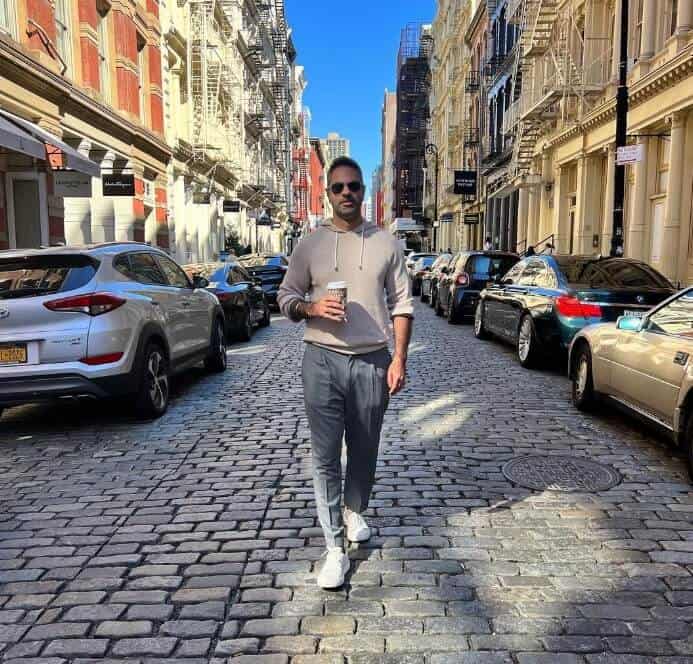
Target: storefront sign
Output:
[(471, 219), (446, 218), (465, 183), (629, 154), (232, 206), (71, 184), (118, 184), (201, 198)]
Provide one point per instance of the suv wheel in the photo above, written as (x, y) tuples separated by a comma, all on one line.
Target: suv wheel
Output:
[(527, 351), (245, 327), (153, 394), (433, 297), (583, 386), (453, 318), (438, 308), (688, 443), (479, 329), (216, 360)]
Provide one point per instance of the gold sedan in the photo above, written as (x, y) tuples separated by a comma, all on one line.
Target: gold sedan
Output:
[(643, 364)]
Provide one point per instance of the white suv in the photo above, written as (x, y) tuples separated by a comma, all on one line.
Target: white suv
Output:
[(108, 320)]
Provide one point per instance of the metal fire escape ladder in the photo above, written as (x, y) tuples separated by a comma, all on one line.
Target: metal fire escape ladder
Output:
[(197, 80)]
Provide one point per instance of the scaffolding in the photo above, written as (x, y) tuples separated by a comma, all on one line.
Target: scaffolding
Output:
[(560, 70), (214, 85), (413, 113)]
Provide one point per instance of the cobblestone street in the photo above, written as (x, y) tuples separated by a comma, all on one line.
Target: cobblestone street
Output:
[(194, 539)]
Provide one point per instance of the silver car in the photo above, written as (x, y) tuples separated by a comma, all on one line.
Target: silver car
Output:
[(107, 320)]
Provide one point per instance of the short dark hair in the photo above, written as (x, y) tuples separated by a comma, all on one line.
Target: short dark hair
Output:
[(343, 161)]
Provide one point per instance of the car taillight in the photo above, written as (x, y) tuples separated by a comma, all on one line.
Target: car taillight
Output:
[(101, 359), (94, 304), (462, 279), (571, 307)]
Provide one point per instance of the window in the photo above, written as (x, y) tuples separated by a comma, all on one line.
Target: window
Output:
[(7, 16), (674, 318), (142, 77), (104, 69), (533, 273), (515, 273), (636, 38), (63, 27), (175, 276), (42, 275), (610, 273), (490, 266), (670, 17), (663, 148), (140, 267)]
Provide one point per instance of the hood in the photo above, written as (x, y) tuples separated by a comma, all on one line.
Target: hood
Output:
[(364, 229)]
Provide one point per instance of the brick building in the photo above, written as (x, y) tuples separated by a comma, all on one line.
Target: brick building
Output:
[(83, 77)]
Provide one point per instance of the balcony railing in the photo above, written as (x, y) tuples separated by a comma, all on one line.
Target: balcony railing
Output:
[(511, 117)]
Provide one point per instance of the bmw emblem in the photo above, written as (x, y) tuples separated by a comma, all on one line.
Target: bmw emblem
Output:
[(4, 313), (640, 299)]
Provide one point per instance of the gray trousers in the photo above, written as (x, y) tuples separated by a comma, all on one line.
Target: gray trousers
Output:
[(345, 396)]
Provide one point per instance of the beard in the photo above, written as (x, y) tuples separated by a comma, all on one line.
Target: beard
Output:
[(350, 214)]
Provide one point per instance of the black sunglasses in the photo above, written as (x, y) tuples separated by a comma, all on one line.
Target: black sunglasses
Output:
[(338, 187)]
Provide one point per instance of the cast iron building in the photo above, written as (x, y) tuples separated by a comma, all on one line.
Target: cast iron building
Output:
[(413, 84)]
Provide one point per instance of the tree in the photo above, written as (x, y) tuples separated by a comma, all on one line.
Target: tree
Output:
[(233, 243)]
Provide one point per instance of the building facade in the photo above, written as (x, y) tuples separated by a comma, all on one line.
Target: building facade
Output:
[(84, 78), (317, 208), (388, 131), (336, 146)]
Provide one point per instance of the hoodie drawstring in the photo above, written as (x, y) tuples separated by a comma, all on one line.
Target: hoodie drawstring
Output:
[(336, 249)]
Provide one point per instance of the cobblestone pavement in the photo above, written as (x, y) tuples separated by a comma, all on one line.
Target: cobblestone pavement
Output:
[(193, 539)]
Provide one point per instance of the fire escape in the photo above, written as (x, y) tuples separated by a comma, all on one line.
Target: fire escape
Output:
[(558, 76), (213, 84), (301, 156)]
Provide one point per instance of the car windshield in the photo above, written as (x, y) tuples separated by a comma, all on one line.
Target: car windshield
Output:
[(30, 276), (206, 270), (492, 265), (426, 261), (610, 273), (440, 261), (675, 318)]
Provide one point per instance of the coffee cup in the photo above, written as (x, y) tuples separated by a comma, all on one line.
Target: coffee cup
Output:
[(338, 289)]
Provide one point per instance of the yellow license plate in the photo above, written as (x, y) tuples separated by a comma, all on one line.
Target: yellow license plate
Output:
[(12, 354)]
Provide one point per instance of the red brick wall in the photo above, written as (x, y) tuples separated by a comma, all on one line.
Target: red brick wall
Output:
[(157, 114), (155, 74), (89, 54), (153, 7), (40, 11), (316, 172), (126, 78)]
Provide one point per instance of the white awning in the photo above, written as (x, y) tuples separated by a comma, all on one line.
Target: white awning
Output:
[(405, 225), (29, 131)]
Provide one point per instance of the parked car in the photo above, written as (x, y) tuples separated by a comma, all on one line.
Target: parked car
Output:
[(106, 320), (463, 279), (643, 364), (270, 269), (543, 301), (429, 280), (241, 296), (421, 267), (414, 256)]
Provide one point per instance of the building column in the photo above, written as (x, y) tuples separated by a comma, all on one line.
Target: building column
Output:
[(616, 46), (490, 215), (504, 219), (649, 21), (523, 202), (676, 225), (102, 210), (608, 218), (125, 213), (544, 222), (684, 17), (512, 221), (561, 225), (78, 210), (635, 237)]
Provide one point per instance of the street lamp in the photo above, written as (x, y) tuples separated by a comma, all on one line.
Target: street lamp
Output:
[(432, 149)]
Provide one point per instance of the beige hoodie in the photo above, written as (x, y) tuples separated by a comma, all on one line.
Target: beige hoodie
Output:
[(371, 261)]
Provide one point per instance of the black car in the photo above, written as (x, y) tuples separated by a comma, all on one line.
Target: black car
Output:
[(240, 294), (467, 274), (542, 302), (269, 269), (420, 268), (429, 281)]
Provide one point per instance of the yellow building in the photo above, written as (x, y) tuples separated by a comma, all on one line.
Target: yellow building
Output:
[(563, 123)]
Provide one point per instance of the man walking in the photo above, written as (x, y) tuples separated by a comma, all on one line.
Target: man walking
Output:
[(348, 373)]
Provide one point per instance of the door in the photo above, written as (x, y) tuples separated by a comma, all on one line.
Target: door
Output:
[(521, 296), (149, 281), (648, 366), (195, 306), (27, 214), (495, 307), (446, 280)]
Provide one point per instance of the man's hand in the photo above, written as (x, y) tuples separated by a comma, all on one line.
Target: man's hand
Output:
[(329, 307), (396, 375)]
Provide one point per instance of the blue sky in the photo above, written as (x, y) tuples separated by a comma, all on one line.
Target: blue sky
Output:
[(349, 50)]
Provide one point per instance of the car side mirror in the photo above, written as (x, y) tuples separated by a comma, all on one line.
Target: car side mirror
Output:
[(199, 281), (629, 323)]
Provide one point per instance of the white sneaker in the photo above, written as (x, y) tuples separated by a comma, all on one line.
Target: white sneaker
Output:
[(357, 529), (334, 569)]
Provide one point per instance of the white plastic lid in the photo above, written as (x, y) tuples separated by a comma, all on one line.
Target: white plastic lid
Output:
[(336, 285)]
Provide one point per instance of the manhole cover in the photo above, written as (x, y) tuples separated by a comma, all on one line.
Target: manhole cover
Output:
[(560, 473)]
